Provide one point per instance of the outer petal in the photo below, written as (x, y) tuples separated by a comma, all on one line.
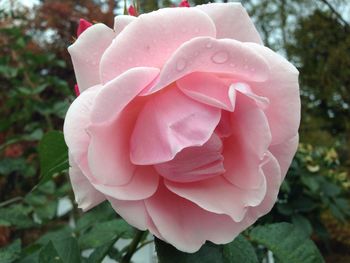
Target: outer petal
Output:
[(152, 38), (245, 149), (142, 184), (134, 212), (282, 90), (219, 196), (204, 54), (185, 225), (231, 21), (85, 194), (86, 53), (168, 123), (272, 173), (121, 21), (284, 153), (76, 121), (113, 117)]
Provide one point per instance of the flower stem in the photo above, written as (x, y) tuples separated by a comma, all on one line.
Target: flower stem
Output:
[(133, 246)]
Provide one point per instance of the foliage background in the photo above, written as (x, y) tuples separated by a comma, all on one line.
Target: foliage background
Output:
[(37, 80)]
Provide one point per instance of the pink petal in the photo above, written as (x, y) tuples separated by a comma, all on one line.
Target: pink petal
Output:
[(228, 57), (120, 91), (133, 212), (219, 196), (86, 53), (152, 39), (85, 194), (142, 184), (272, 174), (195, 163), (231, 21), (248, 144), (113, 118), (170, 122), (76, 121), (284, 153), (185, 225), (209, 89), (282, 90), (83, 25), (122, 21)]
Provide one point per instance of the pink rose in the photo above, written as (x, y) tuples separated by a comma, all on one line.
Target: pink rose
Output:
[(185, 123)]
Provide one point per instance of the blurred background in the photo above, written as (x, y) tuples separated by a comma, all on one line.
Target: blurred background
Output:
[(37, 86)]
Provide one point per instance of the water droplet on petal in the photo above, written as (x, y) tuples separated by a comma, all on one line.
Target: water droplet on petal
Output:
[(181, 64), (220, 57)]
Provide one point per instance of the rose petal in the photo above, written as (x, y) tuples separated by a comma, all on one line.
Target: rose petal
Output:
[(185, 225), (272, 174), (85, 194), (195, 163), (152, 38), (121, 21), (284, 153), (204, 54), (168, 123), (76, 121), (117, 93), (219, 196), (86, 54), (142, 184), (113, 118), (248, 144), (282, 90), (209, 89), (231, 21)]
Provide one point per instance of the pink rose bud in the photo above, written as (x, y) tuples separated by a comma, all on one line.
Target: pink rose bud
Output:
[(132, 11), (184, 3), (83, 25), (76, 90), (186, 123)]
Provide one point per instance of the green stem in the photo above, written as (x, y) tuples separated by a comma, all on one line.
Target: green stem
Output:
[(133, 247)]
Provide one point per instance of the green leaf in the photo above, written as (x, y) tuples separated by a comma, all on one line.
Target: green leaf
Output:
[(11, 252), (49, 254), (17, 216), (240, 250), (53, 155), (60, 251), (208, 253), (302, 223), (105, 232), (287, 242), (100, 252)]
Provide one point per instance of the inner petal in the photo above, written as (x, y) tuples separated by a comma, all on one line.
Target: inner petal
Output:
[(195, 163), (169, 122)]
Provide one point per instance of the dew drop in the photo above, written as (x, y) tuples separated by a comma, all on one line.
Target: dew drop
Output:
[(181, 64), (220, 57)]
